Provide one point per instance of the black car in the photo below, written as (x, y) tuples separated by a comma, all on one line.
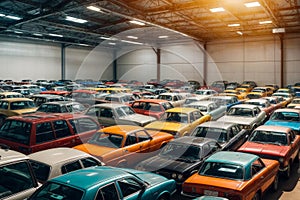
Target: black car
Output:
[(180, 158), (229, 135)]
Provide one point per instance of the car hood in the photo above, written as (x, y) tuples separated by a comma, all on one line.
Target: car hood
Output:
[(167, 126), (157, 163), (25, 111), (264, 149), (94, 150), (290, 124), (138, 118), (237, 119)]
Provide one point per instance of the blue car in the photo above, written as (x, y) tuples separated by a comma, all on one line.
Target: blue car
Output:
[(227, 101), (107, 183), (287, 117)]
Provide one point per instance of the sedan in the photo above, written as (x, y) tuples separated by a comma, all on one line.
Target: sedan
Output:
[(53, 162), (124, 145), (107, 183), (233, 175), (229, 135), (209, 108), (62, 107), (180, 158), (264, 104)]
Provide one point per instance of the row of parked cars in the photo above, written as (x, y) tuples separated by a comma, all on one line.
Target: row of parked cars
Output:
[(188, 149)]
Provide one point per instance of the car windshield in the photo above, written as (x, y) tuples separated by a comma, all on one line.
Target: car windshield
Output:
[(270, 137), (260, 104), (107, 139), (210, 132), (222, 170), (165, 97), (285, 116), (21, 105), (49, 108), (16, 131), (55, 191), (124, 111), (244, 112), (177, 151), (177, 117), (41, 170), (201, 108)]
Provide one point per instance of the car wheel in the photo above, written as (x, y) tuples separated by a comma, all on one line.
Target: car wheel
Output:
[(163, 197), (256, 196), (275, 183), (287, 172)]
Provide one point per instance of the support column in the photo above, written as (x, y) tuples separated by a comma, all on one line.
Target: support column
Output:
[(158, 58), (115, 65), (204, 64), (281, 61), (63, 61)]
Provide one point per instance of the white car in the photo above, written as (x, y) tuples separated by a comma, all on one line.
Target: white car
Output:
[(210, 108), (247, 116), (53, 162)]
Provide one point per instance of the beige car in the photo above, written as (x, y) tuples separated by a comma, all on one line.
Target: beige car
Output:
[(4, 95), (53, 162), (15, 106), (17, 180)]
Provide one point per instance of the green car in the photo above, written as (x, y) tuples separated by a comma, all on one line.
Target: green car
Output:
[(107, 183)]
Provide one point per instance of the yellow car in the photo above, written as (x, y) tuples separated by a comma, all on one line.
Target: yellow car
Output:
[(15, 106), (4, 95), (236, 93), (179, 121)]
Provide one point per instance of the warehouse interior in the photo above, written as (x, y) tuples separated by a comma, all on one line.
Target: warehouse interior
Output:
[(62, 39)]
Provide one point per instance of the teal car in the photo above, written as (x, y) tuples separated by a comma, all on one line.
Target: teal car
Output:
[(107, 183)]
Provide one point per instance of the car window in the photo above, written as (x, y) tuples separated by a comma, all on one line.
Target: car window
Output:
[(197, 115), (44, 132), (234, 131), (82, 125), (129, 186), (106, 112), (131, 139), (4, 105), (89, 162), (41, 170), (256, 166), (61, 129), (15, 178), (108, 192), (142, 136), (16, 131), (71, 167)]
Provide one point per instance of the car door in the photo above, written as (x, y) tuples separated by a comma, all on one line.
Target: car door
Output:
[(131, 149), (107, 117), (294, 142)]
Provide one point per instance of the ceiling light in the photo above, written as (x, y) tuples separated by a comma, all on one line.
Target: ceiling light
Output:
[(85, 45), (55, 35), (252, 4), (19, 32), (132, 37), (137, 22), (219, 9), (278, 30), (94, 8), (163, 36), (131, 42), (239, 32), (108, 38), (37, 34), (77, 20), (233, 25), (2, 15), (265, 22), (112, 43), (13, 17)]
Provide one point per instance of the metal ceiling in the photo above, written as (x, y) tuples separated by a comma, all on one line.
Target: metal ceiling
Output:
[(40, 19)]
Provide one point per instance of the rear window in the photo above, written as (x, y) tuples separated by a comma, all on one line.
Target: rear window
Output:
[(21, 105), (222, 170), (40, 170), (16, 131)]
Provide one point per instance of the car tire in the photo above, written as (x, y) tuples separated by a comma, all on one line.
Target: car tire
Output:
[(164, 197), (275, 183), (256, 196), (287, 172)]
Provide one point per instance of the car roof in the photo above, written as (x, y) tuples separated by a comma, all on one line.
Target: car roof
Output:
[(217, 124), (89, 177), (57, 155), (8, 156), (61, 102), (231, 157), (182, 110), (191, 140), (121, 129), (273, 128), (152, 100), (202, 103), (244, 106), (110, 105), (257, 100), (222, 97), (288, 110), (15, 99)]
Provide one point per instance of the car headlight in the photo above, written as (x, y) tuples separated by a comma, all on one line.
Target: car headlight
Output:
[(174, 176), (180, 176)]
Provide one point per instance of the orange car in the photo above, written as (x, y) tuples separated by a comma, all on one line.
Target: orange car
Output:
[(233, 175), (124, 145)]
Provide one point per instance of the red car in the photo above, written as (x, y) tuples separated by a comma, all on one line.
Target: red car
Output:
[(151, 107), (274, 142)]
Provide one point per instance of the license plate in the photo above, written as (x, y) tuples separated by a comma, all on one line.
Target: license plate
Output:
[(211, 193)]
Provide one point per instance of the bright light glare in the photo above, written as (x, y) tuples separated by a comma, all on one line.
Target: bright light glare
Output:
[(132, 37), (252, 4), (265, 22), (239, 32), (137, 22), (233, 25), (94, 8), (13, 17), (163, 36), (55, 35), (219, 9), (77, 20)]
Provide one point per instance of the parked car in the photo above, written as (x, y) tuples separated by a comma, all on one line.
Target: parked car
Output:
[(124, 145), (288, 117), (275, 101), (195, 98), (252, 83), (151, 107), (247, 116), (40, 131), (122, 98), (286, 96), (15, 106), (255, 95), (39, 99), (50, 163), (274, 142), (229, 135), (235, 93), (179, 121), (227, 101), (233, 175), (206, 92), (209, 108), (105, 182), (17, 180), (264, 104), (180, 158), (109, 114), (295, 102), (174, 98), (62, 107), (4, 95)]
